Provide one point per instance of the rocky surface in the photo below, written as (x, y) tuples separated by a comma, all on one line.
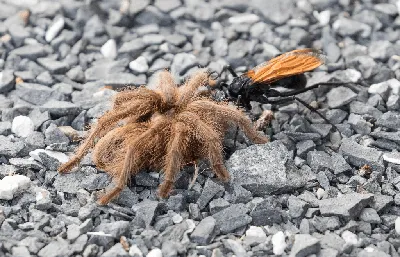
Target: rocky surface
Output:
[(312, 191)]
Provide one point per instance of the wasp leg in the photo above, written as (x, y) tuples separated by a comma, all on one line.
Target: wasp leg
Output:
[(293, 98), (237, 127), (230, 69)]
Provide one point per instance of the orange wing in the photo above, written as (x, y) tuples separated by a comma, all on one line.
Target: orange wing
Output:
[(285, 65)]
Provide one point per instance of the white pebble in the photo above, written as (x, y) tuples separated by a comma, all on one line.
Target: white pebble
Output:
[(139, 65), (191, 225), (109, 49), (256, 233), (155, 253), (134, 251), (244, 18), (278, 243), (397, 225), (350, 238), (393, 157), (11, 185), (323, 17), (394, 84), (177, 218), (54, 29), (320, 193), (61, 157), (22, 126)]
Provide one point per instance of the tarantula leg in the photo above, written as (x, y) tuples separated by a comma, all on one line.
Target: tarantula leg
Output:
[(174, 158), (212, 148), (135, 158), (232, 115)]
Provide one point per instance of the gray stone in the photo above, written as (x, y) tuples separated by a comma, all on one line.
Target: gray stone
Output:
[(361, 108), (167, 5), (145, 212), (372, 252), (268, 168), (194, 211), (5, 128), (55, 67), (336, 116), (31, 51), (297, 207), (303, 147), (232, 218), (370, 215), (347, 27), (125, 79), (305, 245), (205, 231), (266, 212), (56, 249), (10, 148), (323, 224), (39, 117), (132, 47), (88, 211), (53, 135), (20, 251), (359, 125), (347, 206), (382, 201), (389, 120), (340, 96), (217, 205), (182, 62), (210, 189), (116, 251), (60, 108), (333, 241), (115, 229), (235, 247), (359, 155), (7, 82), (36, 94)]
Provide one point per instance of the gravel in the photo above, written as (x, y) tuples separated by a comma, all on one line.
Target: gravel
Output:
[(304, 194)]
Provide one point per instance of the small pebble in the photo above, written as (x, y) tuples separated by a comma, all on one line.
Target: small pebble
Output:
[(22, 126), (278, 243)]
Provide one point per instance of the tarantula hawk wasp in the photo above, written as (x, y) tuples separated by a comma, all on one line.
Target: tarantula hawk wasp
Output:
[(285, 70)]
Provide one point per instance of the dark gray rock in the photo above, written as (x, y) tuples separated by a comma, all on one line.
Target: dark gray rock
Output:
[(210, 189), (332, 241), (266, 212), (146, 212), (205, 231), (297, 207), (232, 218), (359, 155), (37, 94), (60, 108), (55, 67), (53, 135), (303, 147), (182, 62), (39, 117), (381, 202), (336, 116), (347, 206), (116, 251), (268, 168)]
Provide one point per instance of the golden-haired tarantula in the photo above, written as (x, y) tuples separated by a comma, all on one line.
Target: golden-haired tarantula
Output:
[(164, 129)]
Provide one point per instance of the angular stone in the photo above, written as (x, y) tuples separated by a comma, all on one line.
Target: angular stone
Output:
[(347, 206), (55, 67), (340, 96), (145, 212), (31, 51), (359, 155), (210, 189), (232, 218), (305, 245), (60, 108), (268, 168), (10, 148), (205, 231)]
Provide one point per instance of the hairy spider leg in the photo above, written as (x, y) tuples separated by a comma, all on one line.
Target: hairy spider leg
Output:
[(107, 122), (132, 162)]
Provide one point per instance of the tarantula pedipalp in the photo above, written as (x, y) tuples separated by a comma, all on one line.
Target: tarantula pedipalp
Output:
[(164, 129)]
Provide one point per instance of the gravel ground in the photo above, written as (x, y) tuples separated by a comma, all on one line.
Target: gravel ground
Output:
[(307, 193)]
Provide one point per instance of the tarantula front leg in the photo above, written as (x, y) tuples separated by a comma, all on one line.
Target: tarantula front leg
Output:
[(106, 123)]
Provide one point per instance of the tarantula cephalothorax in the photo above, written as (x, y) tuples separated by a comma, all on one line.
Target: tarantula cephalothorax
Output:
[(163, 129)]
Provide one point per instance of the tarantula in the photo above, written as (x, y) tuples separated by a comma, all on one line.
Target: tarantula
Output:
[(164, 129)]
